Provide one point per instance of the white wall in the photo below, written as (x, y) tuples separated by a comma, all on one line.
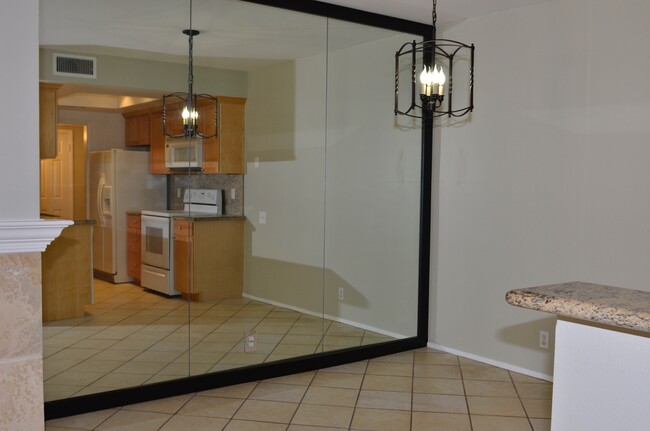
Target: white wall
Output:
[(548, 181), (19, 160), (602, 381)]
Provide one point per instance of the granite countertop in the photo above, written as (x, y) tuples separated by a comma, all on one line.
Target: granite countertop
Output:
[(615, 306), (201, 217), (79, 221)]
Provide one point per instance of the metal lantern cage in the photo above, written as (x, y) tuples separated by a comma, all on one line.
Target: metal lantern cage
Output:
[(430, 51)]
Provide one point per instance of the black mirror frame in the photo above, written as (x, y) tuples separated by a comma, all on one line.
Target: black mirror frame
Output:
[(104, 400)]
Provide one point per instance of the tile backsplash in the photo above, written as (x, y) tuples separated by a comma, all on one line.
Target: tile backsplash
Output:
[(209, 181)]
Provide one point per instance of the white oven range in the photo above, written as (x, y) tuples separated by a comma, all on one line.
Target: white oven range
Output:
[(158, 244)]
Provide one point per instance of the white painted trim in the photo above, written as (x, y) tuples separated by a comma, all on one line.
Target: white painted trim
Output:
[(489, 361), (326, 316), (27, 236)]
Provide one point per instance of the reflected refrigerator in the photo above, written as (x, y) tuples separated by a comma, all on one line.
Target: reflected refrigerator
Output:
[(119, 182)]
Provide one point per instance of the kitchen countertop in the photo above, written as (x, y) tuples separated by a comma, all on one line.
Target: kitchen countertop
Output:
[(80, 221), (198, 216), (201, 217), (608, 305)]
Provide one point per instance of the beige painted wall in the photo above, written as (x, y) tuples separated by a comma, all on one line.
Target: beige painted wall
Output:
[(105, 129), (285, 131), (342, 206), (120, 72), (548, 181), (373, 192)]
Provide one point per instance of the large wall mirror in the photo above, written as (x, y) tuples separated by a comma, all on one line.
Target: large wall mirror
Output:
[(316, 245)]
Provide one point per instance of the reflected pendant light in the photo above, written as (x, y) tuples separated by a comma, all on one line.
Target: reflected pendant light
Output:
[(188, 101), (427, 89)]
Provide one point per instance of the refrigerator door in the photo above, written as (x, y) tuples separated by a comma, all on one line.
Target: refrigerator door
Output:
[(107, 208), (102, 195), (96, 179)]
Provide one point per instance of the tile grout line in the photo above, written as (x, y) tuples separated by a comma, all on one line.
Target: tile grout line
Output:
[(462, 379)]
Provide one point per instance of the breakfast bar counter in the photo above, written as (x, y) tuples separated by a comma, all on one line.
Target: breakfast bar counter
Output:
[(607, 305), (602, 354)]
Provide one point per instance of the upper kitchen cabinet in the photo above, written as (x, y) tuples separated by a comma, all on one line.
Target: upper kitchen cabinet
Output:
[(222, 154), (136, 129), (157, 149), (48, 119)]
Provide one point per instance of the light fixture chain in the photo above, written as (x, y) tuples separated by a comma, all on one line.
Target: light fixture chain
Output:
[(190, 78), (434, 14)]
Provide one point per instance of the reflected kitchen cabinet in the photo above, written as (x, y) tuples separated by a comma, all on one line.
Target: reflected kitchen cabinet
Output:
[(67, 273), (209, 258), (157, 149), (224, 154), (47, 120), (136, 129), (133, 246)]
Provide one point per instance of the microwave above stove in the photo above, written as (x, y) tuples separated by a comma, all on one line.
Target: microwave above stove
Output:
[(184, 153)]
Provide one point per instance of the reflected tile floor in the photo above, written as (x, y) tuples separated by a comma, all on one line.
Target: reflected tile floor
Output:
[(130, 337), (417, 390)]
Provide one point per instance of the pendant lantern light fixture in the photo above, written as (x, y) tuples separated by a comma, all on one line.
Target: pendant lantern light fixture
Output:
[(431, 90), (189, 101)]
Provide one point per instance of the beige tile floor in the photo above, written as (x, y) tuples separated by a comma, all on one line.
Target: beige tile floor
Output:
[(421, 390), (130, 337)]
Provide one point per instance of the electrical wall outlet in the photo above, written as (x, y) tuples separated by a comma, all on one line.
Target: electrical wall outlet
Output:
[(341, 294), (262, 217), (233, 194), (543, 339), (250, 342), (257, 162)]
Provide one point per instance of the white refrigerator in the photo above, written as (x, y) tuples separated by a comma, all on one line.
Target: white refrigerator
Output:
[(119, 182)]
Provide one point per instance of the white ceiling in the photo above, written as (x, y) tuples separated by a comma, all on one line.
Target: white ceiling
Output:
[(234, 34), (230, 29)]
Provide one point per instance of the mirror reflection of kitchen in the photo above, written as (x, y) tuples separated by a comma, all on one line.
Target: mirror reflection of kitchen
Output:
[(273, 240)]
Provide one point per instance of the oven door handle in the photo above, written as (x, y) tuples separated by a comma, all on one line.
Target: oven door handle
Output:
[(153, 273)]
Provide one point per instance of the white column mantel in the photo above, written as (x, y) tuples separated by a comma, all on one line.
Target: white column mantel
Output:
[(27, 236)]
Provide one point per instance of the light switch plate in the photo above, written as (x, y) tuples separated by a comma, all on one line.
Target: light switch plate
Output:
[(262, 217)]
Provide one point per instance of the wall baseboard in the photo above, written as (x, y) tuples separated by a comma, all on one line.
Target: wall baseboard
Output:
[(327, 316), (489, 361)]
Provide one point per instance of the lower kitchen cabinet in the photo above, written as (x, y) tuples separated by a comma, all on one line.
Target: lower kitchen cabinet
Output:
[(66, 273), (133, 246), (209, 258)]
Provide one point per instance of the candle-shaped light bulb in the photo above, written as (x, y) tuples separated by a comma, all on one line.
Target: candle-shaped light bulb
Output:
[(195, 115), (186, 115), (425, 81), (441, 81)]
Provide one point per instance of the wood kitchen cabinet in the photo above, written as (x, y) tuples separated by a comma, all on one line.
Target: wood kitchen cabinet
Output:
[(209, 258), (67, 273), (133, 246), (136, 129), (222, 154), (157, 149), (47, 120)]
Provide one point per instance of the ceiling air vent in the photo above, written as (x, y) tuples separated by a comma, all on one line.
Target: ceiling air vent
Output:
[(75, 65)]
